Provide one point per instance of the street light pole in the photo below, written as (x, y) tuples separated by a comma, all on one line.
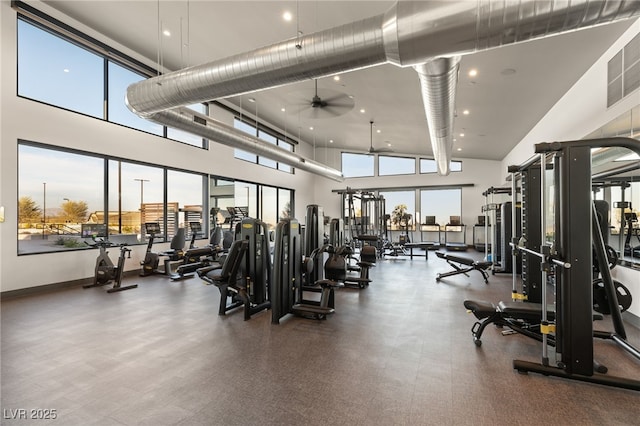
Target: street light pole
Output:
[(44, 207), (66, 212)]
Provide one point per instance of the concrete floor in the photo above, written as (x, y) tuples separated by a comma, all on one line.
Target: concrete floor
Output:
[(399, 352)]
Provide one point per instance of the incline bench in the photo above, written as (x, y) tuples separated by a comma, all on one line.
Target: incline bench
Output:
[(521, 317), (480, 266)]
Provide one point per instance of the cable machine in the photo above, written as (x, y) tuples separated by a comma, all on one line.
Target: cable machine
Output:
[(567, 253), (371, 224)]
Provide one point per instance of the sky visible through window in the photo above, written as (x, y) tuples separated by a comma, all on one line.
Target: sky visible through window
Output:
[(54, 71)]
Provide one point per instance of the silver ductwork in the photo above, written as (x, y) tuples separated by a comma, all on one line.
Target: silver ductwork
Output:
[(411, 33), (190, 121), (438, 81)]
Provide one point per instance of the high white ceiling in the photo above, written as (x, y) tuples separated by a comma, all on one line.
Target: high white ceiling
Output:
[(514, 88)]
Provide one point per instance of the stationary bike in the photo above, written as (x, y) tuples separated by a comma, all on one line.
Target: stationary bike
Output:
[(105, 271)]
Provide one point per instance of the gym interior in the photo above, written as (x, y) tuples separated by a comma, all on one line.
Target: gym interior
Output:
[(311, 212)]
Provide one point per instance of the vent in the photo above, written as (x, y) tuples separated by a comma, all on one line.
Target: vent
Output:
[(623, 72)]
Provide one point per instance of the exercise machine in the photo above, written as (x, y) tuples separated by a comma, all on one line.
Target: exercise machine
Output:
[(455, 226), (631, 219), (430, 226), (480, 234), (466, 265), (313, 240), (105, 271), (568, 259), (228, 278), (151, 260), (195, 257), (287, 285), (253, 289)]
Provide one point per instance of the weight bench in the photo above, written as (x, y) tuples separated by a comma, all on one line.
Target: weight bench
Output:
[(477, 265), (421, 245), (521, 317)]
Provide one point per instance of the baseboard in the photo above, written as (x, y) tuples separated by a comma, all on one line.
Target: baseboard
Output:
[(48, 288), (631, 319)]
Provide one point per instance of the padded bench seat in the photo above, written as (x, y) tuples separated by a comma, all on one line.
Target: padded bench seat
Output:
[(477, 265)]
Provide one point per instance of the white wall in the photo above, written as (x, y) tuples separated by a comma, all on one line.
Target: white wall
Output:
[(582, 110), (579, 112), (29, 120), (481, 173)]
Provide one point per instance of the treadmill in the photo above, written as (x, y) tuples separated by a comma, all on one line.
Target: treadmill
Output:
[(454, 227)]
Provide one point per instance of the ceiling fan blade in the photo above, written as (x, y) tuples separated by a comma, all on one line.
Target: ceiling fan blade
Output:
[(328, 104), (339, 99)]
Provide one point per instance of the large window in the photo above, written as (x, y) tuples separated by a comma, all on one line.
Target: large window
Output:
[(441, 203), (401, 208), (428, 165), (119, 79), (68, 191), (357, 165), (57, 72), (186, 137), (272, 205), (135, 197), (184, 202), (268, 137), (388, 165), (57, 193)]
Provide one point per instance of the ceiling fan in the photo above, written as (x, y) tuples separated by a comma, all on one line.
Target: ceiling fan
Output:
[(373, 150), (331, 104)]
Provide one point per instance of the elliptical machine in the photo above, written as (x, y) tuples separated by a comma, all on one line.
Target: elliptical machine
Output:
[(105, 271), (151, 259)]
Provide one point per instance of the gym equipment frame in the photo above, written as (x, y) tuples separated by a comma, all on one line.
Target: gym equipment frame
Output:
[(574, 331)]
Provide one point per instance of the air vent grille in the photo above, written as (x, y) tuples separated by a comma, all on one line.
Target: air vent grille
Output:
[(623, 72)]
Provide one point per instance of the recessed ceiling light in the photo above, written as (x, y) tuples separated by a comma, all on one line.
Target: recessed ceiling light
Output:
[(363, 111), (330, 140), (287, 16), (350, 96), (336, 77), (455, 140), (310, 127), (167, 33), (252, 100), (378, 131), (282, 109), (66, 70), (473, 72), (462, 135), (465, 112), (459, 149), (388, 143)]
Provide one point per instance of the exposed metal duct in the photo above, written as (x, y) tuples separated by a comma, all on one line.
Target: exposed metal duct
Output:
[(193, 122), (438, 80), (410, 33)]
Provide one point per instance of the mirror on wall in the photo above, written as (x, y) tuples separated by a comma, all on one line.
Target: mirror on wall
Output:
[(616, 179)]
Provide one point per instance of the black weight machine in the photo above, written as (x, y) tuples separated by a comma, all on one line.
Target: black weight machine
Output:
[(570, 328), (288, 286), (195, 257), (250, 289), (631, 218), (105, 271)]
